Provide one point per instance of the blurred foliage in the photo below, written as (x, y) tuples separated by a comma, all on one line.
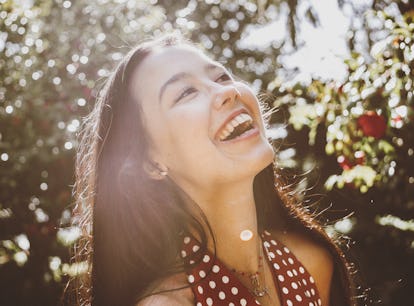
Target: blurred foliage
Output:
[(368, 117), (360, 140), (55, 54)]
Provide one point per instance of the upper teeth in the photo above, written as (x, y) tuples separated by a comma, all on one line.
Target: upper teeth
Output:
[(229, 127)]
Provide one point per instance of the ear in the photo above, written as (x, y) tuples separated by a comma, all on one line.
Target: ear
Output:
[(156, 170)]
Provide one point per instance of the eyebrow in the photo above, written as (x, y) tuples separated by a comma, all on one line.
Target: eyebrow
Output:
[(182, 75)]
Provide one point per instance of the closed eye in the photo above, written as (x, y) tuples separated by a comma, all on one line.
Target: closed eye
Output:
[(187, 91), (224, 77)]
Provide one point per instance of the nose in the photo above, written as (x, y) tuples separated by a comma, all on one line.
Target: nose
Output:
[(224, 94)]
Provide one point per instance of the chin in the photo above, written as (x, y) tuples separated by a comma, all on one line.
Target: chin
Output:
[(264, 157)]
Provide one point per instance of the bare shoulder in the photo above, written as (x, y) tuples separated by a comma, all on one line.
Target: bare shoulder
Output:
[(180, 297), (314, 256)]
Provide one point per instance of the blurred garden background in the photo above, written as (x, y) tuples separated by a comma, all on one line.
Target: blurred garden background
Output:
[(340, 73)]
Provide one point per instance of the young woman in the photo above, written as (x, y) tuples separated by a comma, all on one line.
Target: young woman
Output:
[(179, 200)]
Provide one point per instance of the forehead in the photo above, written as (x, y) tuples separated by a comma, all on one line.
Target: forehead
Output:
[(175, 56), (164, 62)]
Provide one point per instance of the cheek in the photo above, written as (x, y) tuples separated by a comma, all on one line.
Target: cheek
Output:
[(159, 134), (191, 118), (187, 128)]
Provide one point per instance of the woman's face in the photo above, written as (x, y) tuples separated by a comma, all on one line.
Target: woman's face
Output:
[(205, 127)]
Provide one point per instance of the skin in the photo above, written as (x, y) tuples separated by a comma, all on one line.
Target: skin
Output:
[(184, 118)]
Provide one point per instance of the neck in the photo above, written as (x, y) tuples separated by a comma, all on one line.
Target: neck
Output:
[(231, 211)]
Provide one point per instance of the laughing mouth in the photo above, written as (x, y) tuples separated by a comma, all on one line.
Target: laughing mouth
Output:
[(236, 127)]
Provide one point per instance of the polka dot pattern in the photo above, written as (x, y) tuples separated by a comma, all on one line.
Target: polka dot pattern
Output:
[(297, 285), (215, 284)]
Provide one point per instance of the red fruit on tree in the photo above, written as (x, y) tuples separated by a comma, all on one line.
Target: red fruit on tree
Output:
[(372, 124)]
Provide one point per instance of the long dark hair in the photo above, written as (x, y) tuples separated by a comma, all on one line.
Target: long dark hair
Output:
[(131, 224)]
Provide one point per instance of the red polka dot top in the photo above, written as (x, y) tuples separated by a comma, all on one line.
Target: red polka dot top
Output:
[(213, 283)]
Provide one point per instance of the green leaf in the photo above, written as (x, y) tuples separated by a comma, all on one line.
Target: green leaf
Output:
[(385, 146)]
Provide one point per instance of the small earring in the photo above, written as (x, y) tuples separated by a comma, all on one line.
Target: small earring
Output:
[(163, 173)]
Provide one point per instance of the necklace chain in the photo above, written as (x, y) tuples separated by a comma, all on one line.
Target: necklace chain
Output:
[(254, 278)]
